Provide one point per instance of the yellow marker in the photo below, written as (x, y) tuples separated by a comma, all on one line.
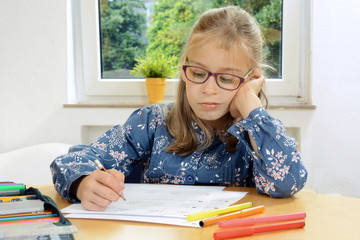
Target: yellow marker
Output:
[(214, 212)]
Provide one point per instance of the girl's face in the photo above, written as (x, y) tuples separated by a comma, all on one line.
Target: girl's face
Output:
[(208, 100)]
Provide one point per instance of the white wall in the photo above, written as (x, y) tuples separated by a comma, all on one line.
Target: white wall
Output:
[(32, 71), (33, 78), (33, 88), (336, 83)]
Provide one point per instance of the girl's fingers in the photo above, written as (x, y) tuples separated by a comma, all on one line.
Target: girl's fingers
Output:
[(253, 81), (91, 206), (246, 99), (100, 200), (95, 203), (95, 193), (252, 84), (107, 193), (107, 186), (250, 76), (115, 181), (120, 180)]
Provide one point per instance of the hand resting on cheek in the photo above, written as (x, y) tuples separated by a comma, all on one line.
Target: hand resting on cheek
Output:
[(246, 99)]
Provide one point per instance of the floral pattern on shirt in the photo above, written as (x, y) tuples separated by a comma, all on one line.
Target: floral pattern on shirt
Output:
[(143, 138)]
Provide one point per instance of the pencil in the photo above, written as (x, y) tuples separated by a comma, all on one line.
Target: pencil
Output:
[(101, 167)]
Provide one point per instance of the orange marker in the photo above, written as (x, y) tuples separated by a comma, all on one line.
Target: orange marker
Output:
[(238, 214), (101, 167)]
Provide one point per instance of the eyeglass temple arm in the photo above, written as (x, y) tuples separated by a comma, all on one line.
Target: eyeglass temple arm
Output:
[(248, 73)]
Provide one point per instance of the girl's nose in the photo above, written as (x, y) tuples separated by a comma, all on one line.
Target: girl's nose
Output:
[(210, 86)]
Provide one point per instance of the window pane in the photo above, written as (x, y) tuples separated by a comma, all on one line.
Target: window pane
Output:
[(134, 28)]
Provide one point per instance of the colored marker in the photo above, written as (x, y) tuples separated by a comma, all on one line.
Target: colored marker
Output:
[(253, 221), (101, 167), (49, 219), (17, 198), (248, 231), (238, 214), (25, 214), (19, 218), (9, 187), (214, 212)]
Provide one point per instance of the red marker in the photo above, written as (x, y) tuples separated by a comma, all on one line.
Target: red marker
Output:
[(248, 231), (253, 221)]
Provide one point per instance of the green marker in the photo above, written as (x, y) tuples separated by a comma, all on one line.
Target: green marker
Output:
[(12, 187)]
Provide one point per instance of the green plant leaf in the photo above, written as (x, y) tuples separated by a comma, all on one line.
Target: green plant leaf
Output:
[(155, 66)]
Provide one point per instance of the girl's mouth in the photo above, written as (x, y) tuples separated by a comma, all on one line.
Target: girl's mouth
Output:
[(209, 105)]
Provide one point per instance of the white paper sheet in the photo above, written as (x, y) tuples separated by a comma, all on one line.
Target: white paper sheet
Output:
[(158, 203)]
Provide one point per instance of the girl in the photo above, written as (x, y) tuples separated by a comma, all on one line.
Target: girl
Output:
[(217, 132)]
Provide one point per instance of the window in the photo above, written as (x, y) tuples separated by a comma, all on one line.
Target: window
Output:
[(109, 34)]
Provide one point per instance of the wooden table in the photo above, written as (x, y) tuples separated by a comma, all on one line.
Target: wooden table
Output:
[(327, 217)]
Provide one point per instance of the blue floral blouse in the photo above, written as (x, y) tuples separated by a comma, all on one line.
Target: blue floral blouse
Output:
[(144, 138)]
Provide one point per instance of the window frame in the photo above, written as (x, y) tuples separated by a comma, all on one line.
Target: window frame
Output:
[(293, 88)]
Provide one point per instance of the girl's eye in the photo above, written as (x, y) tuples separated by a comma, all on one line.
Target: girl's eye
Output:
[(199, 74), (227, 79)]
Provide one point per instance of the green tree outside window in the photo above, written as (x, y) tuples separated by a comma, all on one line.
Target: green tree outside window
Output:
[(132, 29)]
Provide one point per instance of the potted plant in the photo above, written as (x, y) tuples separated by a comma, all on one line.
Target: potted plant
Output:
[(155, 69)]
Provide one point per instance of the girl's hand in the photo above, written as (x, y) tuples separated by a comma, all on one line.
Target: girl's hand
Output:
[(246, 99), (99, 189)]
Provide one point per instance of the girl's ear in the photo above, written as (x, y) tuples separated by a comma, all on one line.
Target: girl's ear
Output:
[(253, 73), (181, 71), (257, 72), (182, 59)]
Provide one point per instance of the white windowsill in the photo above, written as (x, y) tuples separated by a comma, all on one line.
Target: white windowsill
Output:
[(127, 105)]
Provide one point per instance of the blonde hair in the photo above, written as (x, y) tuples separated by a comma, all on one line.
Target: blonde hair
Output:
[(234, 27)]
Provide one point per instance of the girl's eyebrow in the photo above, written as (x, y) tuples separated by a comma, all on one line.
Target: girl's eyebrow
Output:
[(222, 69)]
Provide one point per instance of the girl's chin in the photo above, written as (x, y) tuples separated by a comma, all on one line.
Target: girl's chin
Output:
[(211, 119)]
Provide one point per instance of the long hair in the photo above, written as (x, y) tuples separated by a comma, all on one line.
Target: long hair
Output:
[(232, 27)]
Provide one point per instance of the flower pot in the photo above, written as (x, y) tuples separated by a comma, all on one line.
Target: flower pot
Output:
[(155, 88)]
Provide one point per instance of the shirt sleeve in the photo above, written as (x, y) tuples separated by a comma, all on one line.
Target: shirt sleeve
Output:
[(279, 172), (120, 148)]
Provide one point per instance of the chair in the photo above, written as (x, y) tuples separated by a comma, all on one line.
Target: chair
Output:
[(31, 165)]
